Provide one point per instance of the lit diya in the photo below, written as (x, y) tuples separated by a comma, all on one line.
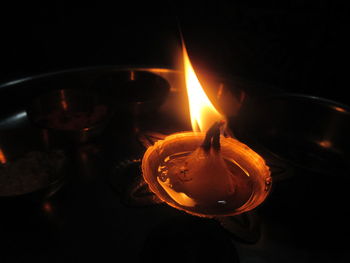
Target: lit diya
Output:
[(203, 172)]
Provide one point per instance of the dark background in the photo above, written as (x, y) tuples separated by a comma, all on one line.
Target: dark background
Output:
[(300, 46)]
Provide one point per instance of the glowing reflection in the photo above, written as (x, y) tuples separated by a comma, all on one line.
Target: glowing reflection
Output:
[(47, 207), (63, 100), (3, 159), (132, 75), (325, 144), (20, 115), (339, 109), (181, 198)]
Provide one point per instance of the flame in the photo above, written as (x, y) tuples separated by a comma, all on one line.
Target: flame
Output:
[(203, 113)]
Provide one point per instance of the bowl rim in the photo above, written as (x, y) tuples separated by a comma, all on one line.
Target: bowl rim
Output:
[(328, 103), (91, 93)]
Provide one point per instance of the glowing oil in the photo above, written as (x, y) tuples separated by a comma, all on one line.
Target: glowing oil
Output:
[(216, 192)]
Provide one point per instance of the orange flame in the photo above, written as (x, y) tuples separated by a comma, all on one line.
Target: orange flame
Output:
[(203, 113)]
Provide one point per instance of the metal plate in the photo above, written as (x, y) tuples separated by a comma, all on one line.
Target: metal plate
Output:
[(86, 219)]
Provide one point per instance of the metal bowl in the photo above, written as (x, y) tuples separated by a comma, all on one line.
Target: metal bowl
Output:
[(76, 114), (136, 91), (30, 172), (25, 102), (307, 131)]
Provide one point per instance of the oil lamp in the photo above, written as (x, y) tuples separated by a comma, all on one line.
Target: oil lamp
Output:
[(204, 172)]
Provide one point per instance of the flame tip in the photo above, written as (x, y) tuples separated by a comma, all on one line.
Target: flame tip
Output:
[(202, 111)]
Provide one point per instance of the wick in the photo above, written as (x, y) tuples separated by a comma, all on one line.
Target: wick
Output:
[(212, 137)]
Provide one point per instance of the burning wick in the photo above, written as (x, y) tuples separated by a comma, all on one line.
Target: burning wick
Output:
[(205, 173), (202, 175), (212, 137)]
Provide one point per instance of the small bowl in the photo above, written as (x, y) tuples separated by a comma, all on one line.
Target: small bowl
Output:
[(193, 197), (76, 114), (29, 171), (138, 92)]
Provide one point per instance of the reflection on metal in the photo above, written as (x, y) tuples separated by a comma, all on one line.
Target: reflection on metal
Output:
[(3, 159), (220, 91), (14, 119), (47, 208), (339, 109), (325, 144), (20, 115), (181, 198), (63, 100), (132, 75)]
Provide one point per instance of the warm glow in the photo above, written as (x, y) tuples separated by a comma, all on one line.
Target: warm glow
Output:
[(203, 113), (63, 100), (340, 109), (2, 157), (47, 207), (181, 198), (325, 144)]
